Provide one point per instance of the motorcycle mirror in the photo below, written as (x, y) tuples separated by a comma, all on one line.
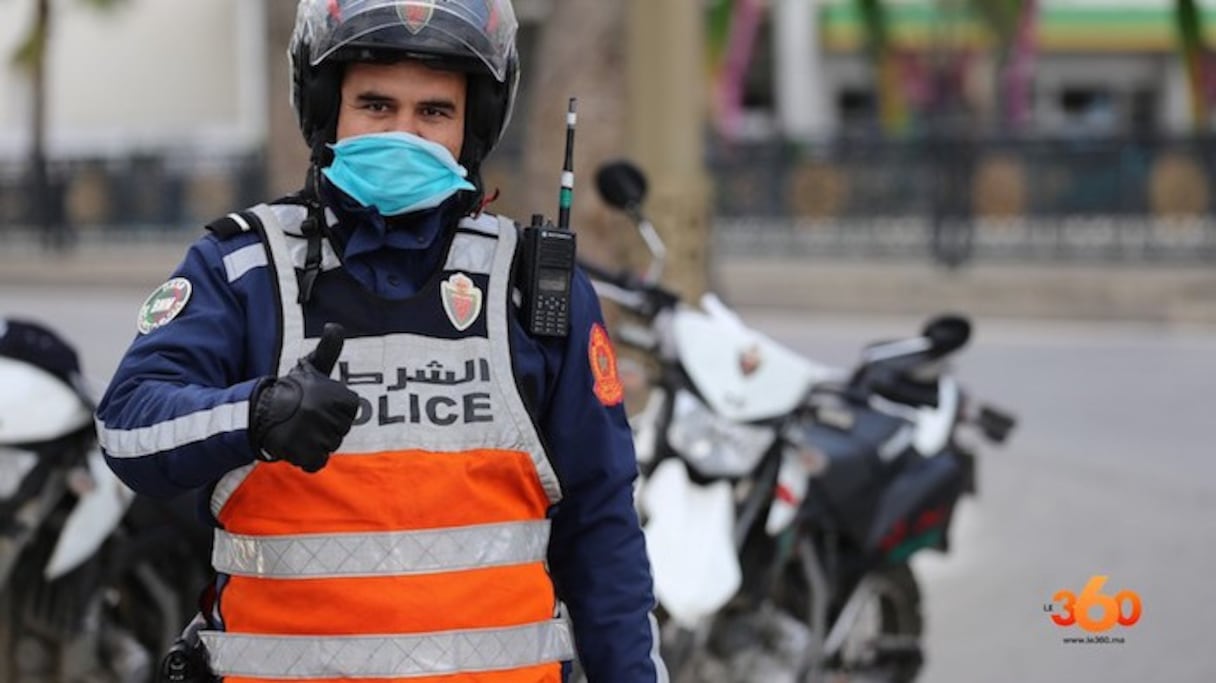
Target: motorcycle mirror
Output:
[(995, 424), (622, 185), (947, 333)]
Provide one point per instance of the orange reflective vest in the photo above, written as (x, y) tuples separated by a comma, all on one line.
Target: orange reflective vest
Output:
[(419, 552)]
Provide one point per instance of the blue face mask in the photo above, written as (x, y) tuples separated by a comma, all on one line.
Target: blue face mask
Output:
[(396, 172)]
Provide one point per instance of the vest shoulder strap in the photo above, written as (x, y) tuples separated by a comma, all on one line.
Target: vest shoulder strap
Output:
[(233, 224), (487, 224), (239, 222)]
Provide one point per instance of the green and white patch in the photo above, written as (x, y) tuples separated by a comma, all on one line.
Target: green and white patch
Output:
[(164, 304)]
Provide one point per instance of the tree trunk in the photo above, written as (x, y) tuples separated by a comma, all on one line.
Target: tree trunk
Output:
[(286, 153), (638, 71), (52, 232), (581, 54), (667, 122)]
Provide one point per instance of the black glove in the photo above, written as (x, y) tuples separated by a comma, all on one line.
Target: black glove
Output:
[(303, 416)]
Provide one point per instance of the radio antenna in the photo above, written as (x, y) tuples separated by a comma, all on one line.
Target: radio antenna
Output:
[(567, 194)]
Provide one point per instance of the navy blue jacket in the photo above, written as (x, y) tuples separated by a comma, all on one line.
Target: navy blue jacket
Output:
[(211, 355)]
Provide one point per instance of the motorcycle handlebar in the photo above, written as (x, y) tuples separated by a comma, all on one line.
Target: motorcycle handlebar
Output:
[(604, 275), (631, 291)]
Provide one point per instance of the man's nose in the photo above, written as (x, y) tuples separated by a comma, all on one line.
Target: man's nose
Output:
[(406, 123)]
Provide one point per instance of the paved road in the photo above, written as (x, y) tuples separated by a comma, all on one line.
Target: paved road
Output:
[(1112, 471)]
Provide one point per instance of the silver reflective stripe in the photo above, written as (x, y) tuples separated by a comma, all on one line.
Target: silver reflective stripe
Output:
[(175, 433), (291, 218), (298, 248), (285, 271), (487, 224), (304, 657), (293, 324), (471, 253), (497, 315), (244, 260), (228, 485), (381, 554)]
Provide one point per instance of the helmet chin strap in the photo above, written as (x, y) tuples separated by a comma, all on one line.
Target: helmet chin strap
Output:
[(313, 228)]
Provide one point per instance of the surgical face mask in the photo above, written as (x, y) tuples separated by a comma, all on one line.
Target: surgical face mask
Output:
[(396, 172)]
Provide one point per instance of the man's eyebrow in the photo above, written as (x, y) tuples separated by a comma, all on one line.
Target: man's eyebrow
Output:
[(439, 103), (374, 96)]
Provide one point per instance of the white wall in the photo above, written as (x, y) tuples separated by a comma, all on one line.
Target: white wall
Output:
[(186, 75)]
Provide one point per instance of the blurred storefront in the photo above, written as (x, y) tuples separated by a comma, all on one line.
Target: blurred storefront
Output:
[(156, 115), (964, 133), (924, 138)]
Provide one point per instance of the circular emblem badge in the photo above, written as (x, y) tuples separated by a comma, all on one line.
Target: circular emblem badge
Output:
[(164, 304)]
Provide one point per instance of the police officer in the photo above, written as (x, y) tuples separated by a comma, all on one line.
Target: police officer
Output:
[(405, 483)]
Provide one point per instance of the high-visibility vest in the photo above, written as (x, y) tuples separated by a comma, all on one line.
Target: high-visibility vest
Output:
[(419, 552)]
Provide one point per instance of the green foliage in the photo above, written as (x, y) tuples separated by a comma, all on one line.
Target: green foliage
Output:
[(1000, 16), (31, 49), (875, 21), (718, 27), (1190, 25)]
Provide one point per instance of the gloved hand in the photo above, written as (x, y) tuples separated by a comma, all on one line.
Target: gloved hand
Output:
[(303, 416)]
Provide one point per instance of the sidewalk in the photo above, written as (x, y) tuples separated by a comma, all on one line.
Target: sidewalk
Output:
[(129, 264), (1185, 295), (1081, 292)]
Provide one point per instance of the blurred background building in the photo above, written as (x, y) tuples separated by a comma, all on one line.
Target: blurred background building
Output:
[(950, 129), (830, 156)]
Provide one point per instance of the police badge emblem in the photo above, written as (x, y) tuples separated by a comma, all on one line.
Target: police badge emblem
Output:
[(461, 300), (416, 15)]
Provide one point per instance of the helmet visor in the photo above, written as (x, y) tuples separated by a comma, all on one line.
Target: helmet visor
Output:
[(453, 29)]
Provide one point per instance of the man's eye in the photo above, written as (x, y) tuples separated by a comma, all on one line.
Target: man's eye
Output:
[(432, 112), (377, 107)]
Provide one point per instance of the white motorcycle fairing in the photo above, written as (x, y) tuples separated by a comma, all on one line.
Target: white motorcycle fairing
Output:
[(742, 374), (97, 513), (690, 543), (934, 425), (36, 406)]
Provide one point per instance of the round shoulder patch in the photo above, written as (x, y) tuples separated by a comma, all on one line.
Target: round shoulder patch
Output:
[(164, 304)]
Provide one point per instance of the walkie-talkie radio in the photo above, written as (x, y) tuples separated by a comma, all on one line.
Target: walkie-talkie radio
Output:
[(549, 255), (548, 269)]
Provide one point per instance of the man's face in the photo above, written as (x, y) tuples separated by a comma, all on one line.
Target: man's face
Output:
[(404, 97)]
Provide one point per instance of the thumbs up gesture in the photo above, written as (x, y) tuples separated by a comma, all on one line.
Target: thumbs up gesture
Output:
[(303, 416)]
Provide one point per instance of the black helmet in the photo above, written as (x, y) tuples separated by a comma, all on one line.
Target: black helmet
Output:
[(473, 36)]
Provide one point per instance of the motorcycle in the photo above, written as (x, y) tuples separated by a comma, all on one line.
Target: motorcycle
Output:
[(94, 580), (782, 499)]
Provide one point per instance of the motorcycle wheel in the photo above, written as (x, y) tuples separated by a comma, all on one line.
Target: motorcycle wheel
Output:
[(885, 641), (56, 632)]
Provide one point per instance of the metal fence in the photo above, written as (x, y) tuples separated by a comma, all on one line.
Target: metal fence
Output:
[(1109, 200), (141, 196), (1142, 200)]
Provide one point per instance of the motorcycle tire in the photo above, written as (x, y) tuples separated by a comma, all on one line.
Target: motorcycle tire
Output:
[(900, 625), (55, 632)]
